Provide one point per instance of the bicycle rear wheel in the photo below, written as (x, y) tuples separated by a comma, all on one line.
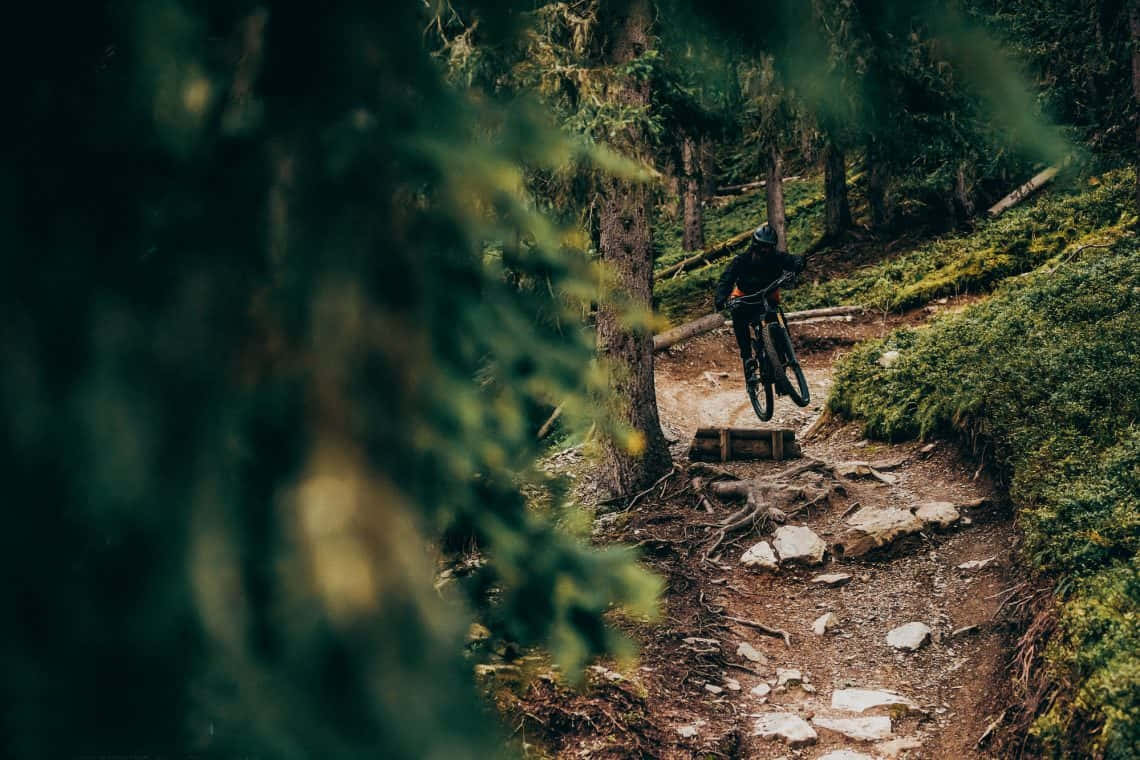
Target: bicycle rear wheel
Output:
[(783, 359)]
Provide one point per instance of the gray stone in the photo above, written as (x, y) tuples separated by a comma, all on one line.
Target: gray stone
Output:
[(732, 684), (790, 729), (823, 623), (870, 529), (750, 652), (713, 689), (976, 564), (691, 730), (868, 729), (831, 579), (788, 677), (888, 359), (937, 514), (861, 700), (760, 555), (797, 543), (761, 691), (896, 747), (845, 754), (911, 636)]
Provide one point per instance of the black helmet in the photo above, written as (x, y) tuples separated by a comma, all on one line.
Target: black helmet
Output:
[(764, 234)]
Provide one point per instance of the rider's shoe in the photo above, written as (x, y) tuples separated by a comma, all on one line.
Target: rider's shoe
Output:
[(751, 370)]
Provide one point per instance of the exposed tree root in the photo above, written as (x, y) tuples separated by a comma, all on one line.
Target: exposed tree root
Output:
[(764, 629)]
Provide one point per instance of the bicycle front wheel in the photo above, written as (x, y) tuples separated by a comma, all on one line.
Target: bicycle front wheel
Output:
[(760, 394), (760, 387), (783, 359)]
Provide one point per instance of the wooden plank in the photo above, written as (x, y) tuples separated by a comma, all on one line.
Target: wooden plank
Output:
[(727, 444), (746, 433)]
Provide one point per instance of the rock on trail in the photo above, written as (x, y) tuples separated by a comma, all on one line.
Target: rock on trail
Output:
[(870, 529), (861, 700), (846, 754), (786, 727), (868, 729), (911, 637), (824, 623), (937, 514), (760, 555), (798, 543)]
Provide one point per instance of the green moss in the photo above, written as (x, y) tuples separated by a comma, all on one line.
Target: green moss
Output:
[(1047, 374), (1022, 239)]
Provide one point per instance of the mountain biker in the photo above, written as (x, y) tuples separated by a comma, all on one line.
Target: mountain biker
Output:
[(750, 272)]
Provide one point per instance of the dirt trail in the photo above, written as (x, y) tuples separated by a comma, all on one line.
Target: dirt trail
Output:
[(692, 706)]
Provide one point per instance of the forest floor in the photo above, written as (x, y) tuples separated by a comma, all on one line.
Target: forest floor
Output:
[(694, 693)]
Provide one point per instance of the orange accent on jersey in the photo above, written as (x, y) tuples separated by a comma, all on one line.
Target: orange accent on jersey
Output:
[(774, 296)]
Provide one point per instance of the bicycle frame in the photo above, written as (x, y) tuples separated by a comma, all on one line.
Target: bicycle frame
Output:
[(772, 312)]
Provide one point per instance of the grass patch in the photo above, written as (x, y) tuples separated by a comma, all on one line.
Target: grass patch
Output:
[(1018, 241), (1046, 375)]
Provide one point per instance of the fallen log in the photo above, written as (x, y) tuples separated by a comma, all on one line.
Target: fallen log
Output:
[(827, 311), (710, 322), (1038, 181), (671, 337), (549, 424), (718, 251), (749, 186)]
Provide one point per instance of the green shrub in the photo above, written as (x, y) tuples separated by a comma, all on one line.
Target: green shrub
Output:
[(1045, 376)]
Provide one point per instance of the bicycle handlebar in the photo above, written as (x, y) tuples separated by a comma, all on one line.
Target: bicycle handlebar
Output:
[(761, 294)]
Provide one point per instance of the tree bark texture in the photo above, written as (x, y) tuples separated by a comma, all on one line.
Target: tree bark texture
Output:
[(1134, 29), (625, 248), (777, 215), (837, 217), (878, 190), (706, 158), (963, 197), (693, 230)]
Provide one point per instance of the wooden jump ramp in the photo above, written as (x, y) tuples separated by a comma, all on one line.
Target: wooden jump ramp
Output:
[(726, 444)]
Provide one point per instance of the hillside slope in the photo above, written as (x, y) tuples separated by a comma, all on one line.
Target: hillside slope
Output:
[(1044, 380)]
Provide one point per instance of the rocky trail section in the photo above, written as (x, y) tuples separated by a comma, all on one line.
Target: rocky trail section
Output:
[(843, 605)]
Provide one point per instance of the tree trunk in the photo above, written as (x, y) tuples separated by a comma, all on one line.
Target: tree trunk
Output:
[(693, 233), (625, 247), (706, 161), (963, 198), (837, 218), (777, 217), (878, 190), (1134, 28), (673, 188)]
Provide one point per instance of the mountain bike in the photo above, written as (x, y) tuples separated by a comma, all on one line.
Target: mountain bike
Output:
[(772, 347)]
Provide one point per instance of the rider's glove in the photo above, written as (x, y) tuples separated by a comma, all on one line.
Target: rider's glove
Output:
[(801, 263)]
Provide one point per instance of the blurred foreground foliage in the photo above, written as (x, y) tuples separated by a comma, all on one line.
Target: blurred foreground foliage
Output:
[(256, 364), (1044, 376)]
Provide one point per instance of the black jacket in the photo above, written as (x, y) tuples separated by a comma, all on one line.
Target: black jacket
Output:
[(754, 275)]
